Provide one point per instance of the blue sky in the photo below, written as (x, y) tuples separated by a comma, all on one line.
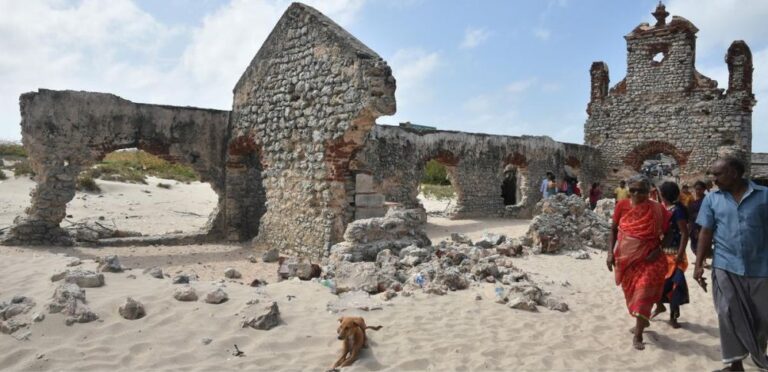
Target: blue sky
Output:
[(501, 67)]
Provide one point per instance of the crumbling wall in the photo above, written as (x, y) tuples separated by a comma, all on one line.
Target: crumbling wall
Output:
[(303, 108), (396, 157), (666, 106), (65, 132)]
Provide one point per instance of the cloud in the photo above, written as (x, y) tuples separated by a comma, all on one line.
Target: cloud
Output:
[(114, 46), (542, 33), (722, 21), (412, 67), (474, 37), (520, 86)]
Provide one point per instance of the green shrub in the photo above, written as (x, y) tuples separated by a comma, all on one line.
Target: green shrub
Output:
[(23, 168), (2, 175), (164, 186), (13, 149), (435, 174), (134, 166), (86, 183)]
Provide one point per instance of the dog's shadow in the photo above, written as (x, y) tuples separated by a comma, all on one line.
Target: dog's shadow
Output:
[(367, 357)]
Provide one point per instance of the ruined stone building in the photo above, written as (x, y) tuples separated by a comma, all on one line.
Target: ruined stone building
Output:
[(298, 157), (665, 106)]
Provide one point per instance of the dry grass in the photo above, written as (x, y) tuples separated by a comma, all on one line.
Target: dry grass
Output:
[(135, 166), (23, 168), (86, 183), (13, 150), (439, 192)]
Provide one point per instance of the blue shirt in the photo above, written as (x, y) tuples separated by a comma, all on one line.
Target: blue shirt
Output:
[(543, 187), (740, 230)]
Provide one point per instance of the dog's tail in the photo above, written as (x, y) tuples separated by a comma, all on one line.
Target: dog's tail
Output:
[(375, 328)]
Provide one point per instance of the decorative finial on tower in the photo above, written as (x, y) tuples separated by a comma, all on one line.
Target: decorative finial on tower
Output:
[(661, 15)]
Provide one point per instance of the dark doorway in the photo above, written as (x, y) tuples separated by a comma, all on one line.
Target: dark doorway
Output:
[(509, 187)]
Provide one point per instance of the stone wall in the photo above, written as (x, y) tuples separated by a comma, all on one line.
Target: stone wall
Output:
[(301, 110), (476, 163), (65, 132), (664, 105), (759, 171)]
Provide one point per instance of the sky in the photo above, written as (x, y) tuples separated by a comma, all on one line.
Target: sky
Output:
[(515, 67)]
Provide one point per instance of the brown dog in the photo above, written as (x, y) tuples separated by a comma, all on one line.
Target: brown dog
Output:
[(352, 331)]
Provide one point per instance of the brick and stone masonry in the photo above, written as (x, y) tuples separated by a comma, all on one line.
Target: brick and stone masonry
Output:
[(664, 105)]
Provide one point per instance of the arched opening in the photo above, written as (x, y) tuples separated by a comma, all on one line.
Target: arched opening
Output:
[(510, 186), (661, 168), (437, 192), (131, 192), (514, 176)]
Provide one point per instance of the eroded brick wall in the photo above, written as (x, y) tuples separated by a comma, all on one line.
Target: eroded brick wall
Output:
[(396, 158), (307, 101), (65, 132), (667, 106)]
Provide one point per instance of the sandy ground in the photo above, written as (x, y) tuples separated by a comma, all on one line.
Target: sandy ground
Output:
[(423, 332)]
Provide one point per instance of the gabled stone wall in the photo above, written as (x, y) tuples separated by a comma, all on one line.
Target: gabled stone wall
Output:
[(666, 106), (476, 163), (303, 108)]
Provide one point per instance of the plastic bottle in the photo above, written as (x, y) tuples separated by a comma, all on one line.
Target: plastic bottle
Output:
[(499, 294), (419, 279)]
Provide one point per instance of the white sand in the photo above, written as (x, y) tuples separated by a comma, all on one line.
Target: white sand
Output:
[(424, 332)]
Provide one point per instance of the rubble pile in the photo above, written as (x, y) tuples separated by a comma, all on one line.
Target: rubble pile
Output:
[(364, 239), (451, 265), (604, 209), (566, 223)]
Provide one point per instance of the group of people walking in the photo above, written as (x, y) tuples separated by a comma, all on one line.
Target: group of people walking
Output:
[(648, 243)]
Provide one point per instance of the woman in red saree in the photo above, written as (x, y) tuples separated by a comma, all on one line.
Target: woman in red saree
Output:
[(638, 226)]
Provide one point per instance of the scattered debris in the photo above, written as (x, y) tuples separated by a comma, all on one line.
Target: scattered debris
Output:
[(83, 278), (157, 273), (186, 294), (271, 255), (110, 264), (269, 319), (216, 296), (231, 273), (69, 299), (132, 309)]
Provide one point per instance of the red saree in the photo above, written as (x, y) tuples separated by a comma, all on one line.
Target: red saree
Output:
[(640, 230)]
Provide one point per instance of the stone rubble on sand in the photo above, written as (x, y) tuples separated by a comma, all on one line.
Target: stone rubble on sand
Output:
[(110, 264), (447, 266), (132, 309), (271, 255), (83, 278), (604, 209), (297, 267), (266, 320), (69, 299), (365, 238), (156, 272), (185, 294), (231, 273), (566, 223), (216, 296), (9, 322)]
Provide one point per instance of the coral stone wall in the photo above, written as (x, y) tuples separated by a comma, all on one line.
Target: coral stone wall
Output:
[(65, 132), (665, 106), (301, 110), (396, 158)]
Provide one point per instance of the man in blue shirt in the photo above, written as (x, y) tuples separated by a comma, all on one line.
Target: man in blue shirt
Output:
[(543, 187), (736, 215)]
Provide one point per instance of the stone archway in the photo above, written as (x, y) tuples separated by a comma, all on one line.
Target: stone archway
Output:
[(635, 158), (515, 176)]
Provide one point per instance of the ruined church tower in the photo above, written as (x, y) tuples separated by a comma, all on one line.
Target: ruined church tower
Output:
[(664, 106)]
